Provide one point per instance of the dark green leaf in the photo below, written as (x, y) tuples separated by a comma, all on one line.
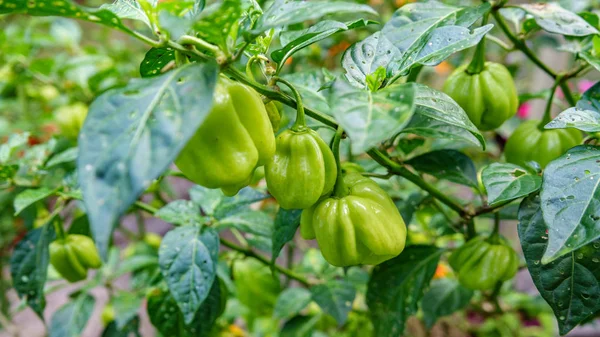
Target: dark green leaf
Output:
[(219, 25), (187, 259), (71, 318), (396, 287), (29, 266), (253, 222), (335, 298), (180, 212), (300, 326), (439, 116), (293, 41), (29, 197), (571, 283), (65, 8), (67, 156), (287, 12), (505, 182), (155, 61), (132, 328), (444, 297), (286, 224), (165, 315), (290, 302), (585, 116), (570, 201), (555, 19), (368, 117), (131, 135), (451, 165), (126, 306)]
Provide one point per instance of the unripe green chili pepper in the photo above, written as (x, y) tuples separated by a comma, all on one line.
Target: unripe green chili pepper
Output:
[(489, 97), (303, 168), (70, 119), (358, 224), (73, 256), (234, 139), (481, 263), (530, 143)]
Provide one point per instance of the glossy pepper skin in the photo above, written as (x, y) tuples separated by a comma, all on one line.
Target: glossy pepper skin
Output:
[(256, 287), (73, 256), (489, 98), (302, 170), (359, 225), (481, 263), (529, 143), (234, 139)]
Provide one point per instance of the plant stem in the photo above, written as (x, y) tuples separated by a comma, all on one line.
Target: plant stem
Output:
[(300, 122), (471, 232), (548, 111), (519, 44), (250, 253), (199, 43), (478, 62), (400, 170), (144, 206), (340, 188), (564, 86)]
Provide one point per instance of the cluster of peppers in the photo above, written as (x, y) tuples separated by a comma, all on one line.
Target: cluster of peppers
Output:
[(351, 217), (487, 93)]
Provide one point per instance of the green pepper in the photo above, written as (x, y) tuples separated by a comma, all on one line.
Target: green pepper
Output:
[(530, 143), (73, 256), (481, 263), (359, 224), (489, 97), (235, 138), (70, 119), (302, 170), (256, 286), (274, 110)]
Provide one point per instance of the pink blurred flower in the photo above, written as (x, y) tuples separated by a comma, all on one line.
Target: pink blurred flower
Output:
[(524, 110), (584, 85)]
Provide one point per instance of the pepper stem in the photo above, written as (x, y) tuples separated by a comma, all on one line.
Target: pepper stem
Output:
[(300, 122), (548, 112), (478, 62), (340, 188), (495, 235)]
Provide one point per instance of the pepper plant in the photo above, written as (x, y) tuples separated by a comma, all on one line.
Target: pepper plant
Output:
[(318, 117)]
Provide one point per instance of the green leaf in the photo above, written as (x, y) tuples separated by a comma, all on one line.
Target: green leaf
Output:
[(131, 328), (164, 314), (396, 287), (128, 9), (300, 326), (375, 80), (71, 318), (585, 116), (208, 199), (29, 197), (296, 40), (156, 60), (309, 84), (64, 8), (451, 165), (181, 212), (66, 156), (253, 222), (29, 266), (444, 297), (15, 143), (571, 283), (288, 12), (286, 224), (439, 116), (290, 302), (219, 25), (555, 19), (423, 33), (591, 59), (335, 298), (570, 201), (131, 135), (370, 118), (126, 305), (239, 202), (188, 258), (505, 182)]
